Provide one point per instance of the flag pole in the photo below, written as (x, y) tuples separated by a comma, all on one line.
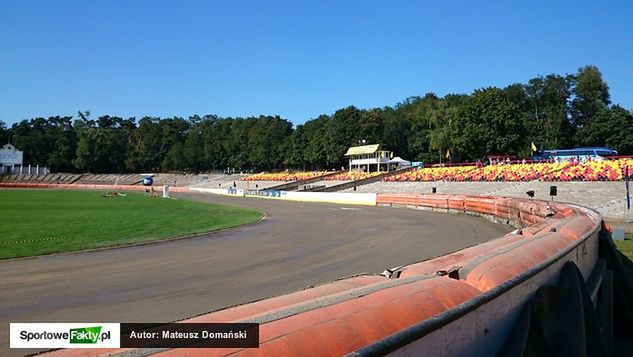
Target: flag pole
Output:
[(627, 200)]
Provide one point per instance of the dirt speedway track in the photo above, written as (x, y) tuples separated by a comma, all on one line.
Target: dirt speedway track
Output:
[(297, 245)]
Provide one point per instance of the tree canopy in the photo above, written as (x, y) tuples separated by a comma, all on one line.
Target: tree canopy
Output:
[(553, 111)]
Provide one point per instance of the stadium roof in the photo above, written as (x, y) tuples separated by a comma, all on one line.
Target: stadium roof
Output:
[(360, 150)]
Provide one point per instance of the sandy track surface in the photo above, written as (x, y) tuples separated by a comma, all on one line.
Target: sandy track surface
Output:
[(297, 245)]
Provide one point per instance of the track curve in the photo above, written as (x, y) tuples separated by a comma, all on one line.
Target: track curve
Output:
[(297, 245)]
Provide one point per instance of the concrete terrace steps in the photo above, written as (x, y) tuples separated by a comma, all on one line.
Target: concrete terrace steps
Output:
[(362, 182), (296, 185), (107, 179), (42, 178), (511, 187), (222, 181)]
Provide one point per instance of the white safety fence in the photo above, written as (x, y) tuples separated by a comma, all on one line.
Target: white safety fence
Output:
[(368, 199)]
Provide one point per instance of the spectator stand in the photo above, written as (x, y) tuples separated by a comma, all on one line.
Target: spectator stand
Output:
[(606, 170)]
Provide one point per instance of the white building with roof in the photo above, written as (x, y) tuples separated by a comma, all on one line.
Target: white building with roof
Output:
[(11, 159), (370, 158)]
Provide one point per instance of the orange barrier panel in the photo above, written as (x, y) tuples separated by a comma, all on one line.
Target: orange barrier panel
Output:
[(507, 210), (346, 326), (456, 202), (432, 201), (247, 310), (562, 211), (482, 205), (576, 227), (179, 189), (500, 268), (541, 227), (282, 301), (459, 258)]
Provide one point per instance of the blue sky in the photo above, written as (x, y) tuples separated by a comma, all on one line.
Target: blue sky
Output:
[(296, 59)]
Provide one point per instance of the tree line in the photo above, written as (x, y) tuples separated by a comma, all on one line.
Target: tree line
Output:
[(553, 111)]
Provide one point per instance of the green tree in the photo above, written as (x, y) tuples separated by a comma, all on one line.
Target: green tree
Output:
[(315, 138), (236, 144), (31, 136), (546, 111), (343, 131), (193, 147), (266, 137), (295, 148), (86, 147), (417, 111), (487, 123), (175, 159), (371, 126), (4, 133), (611, 127), (64, 144), (172, 130), (144, 152), (396, 132), (215, 132), (441, 121), (591, 95), (102, 148)]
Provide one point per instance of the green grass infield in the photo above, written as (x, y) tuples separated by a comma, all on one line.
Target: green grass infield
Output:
[(37, 222), (626, 245)]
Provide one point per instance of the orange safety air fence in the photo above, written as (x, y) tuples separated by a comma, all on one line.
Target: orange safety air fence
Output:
[(481, 289)]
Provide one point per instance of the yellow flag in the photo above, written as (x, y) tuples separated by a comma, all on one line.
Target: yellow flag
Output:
[(533, 147), (448, 154)]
